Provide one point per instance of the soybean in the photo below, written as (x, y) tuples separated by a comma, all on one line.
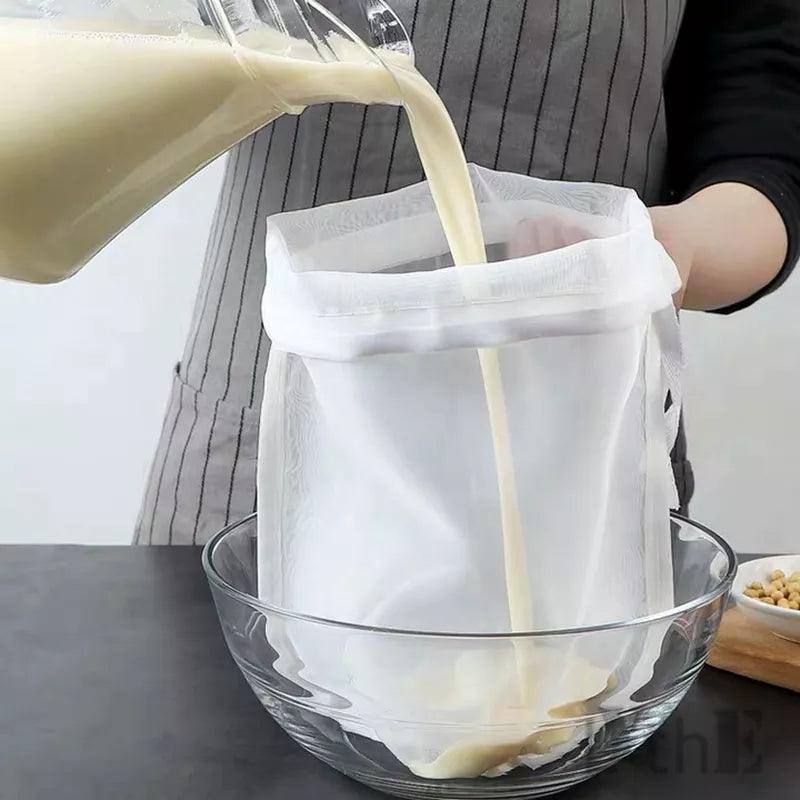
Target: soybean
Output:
[(778, 590)]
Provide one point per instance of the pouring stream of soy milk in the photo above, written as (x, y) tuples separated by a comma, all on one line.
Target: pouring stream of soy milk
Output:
[(525, 673), (448, 178), (97, 126)]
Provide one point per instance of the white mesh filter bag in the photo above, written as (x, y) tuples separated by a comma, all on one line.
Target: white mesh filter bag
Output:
[(378, 492)]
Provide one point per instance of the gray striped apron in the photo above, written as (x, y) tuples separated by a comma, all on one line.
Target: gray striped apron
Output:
[(555, 88)]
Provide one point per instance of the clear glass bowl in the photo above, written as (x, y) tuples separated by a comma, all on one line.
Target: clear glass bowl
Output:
[(656, 660)]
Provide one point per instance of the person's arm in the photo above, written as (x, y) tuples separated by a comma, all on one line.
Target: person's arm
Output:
[(728, 242), (733, 113)]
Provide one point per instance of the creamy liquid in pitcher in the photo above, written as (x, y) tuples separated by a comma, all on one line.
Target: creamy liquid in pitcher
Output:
[(96, 127)]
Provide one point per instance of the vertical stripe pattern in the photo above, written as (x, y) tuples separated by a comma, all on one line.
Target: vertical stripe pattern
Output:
[(510, 85), (636, 97), (581, 75), (556, 88), (543, 91)]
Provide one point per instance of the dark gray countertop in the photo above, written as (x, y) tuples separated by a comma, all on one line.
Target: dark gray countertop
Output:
[(115, 684)]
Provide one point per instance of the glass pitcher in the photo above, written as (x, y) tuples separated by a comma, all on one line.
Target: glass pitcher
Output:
[(108, 106)]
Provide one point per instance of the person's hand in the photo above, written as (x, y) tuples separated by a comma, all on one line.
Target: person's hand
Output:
[(674, 229), (534, 236), (670, 226), (727, 241)]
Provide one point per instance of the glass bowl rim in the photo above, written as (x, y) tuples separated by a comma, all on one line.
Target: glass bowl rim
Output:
[(268, 608)]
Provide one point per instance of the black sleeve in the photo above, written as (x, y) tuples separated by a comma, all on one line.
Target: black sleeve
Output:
[(733, 107)]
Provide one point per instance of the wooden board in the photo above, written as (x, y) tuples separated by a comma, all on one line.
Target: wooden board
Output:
[(751, 650)]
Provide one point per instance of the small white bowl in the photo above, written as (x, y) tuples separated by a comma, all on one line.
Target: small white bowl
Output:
[(783, 622)]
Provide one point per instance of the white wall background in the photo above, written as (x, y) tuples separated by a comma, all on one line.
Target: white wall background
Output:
[(743, 421), (85, 368)]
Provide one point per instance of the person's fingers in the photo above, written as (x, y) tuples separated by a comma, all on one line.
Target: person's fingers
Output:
[(671, 228), (532, 237)]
